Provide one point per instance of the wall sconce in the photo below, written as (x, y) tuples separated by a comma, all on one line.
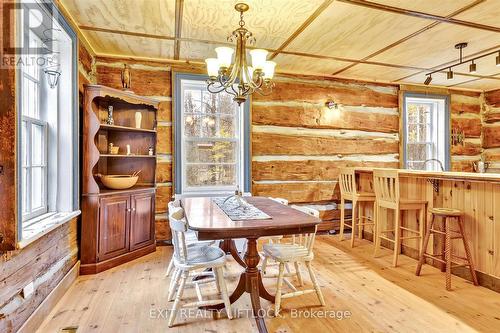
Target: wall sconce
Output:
[(332, 105), (52, 77)]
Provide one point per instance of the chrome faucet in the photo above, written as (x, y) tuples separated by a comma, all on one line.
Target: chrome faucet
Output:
[(435, 160)]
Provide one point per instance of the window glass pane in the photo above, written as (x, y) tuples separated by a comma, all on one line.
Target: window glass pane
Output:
[(36, 187), (192, 101), (25, 190), (25, 97), (417, 152), (24, 143), (37, 139), (227, 127), (211, 152), (33, 99), (211, 175), (227, 105), (208, 129)]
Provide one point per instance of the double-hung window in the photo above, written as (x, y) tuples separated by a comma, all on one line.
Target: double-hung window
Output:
[(34, 140), (210, 131), (47, 120), (426, 138)]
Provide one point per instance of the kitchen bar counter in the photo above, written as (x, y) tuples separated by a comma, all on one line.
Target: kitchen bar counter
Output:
[(477, 195), (451, 175)]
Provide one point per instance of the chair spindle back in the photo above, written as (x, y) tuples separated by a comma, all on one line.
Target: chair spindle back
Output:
[(347, 179), (386, 186)]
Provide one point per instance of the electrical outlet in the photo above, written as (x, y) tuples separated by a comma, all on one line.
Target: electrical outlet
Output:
[(28, 290)]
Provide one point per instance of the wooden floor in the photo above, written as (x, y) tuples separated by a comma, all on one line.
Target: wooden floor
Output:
[(379, 298)]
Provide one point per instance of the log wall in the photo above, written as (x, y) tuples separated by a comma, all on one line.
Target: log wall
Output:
[(298, 144), (466, 109), (490, 136), (44, 262)]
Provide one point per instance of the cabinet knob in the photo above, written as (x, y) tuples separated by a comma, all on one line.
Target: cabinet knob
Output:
[(133, 209), (129, 210)]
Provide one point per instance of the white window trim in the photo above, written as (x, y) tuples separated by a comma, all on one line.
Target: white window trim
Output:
[(438, 121)]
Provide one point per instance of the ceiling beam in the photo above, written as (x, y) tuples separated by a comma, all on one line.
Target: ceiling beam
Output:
[(302, 27), (402, 11), (126, 33), (416, 33), (494, 77), (179, 7)]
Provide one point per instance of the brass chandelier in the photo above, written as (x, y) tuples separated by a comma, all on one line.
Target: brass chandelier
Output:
[(239, 79)]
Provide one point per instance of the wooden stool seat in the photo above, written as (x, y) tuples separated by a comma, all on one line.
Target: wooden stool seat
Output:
[(403, 201), (446, 212), (349, 191), (446, 258)]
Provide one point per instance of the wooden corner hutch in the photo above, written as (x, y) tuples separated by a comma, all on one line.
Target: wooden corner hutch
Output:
[(117, 225)]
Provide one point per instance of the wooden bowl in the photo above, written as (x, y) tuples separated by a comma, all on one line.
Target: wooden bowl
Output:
[(119, 182)]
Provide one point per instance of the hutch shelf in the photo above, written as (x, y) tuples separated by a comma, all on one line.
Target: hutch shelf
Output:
[(117, 225)]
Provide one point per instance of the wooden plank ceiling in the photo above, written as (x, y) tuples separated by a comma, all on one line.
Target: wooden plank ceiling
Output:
[(379, 40)]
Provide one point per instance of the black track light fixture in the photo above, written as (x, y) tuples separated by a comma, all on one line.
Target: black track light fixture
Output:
[(449, 74), (472, 67), (428, 80)]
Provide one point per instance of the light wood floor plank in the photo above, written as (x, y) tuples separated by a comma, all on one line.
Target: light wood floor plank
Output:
[(380, 298)]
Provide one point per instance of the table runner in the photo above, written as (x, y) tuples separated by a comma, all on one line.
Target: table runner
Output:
[(237, 211)]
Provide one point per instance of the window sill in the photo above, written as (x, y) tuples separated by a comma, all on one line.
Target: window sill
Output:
[(43, 225)]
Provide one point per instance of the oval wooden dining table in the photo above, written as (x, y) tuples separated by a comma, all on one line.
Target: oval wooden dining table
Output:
[(211, 223)]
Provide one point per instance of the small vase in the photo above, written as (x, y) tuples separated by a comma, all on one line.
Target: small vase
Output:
[(138, 119)]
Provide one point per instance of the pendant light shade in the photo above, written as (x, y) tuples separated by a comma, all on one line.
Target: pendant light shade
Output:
[(212, 66), (258, 58), (449, 74), (225, 56), (472, 67)]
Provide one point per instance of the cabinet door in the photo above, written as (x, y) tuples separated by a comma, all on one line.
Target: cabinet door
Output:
[(142, 230), (114, 223)]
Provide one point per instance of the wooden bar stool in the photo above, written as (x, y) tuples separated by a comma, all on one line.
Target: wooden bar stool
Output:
[(349, 191), (386, 184), (446, 257)]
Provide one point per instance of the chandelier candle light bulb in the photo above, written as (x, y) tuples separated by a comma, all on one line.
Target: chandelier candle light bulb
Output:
[(238, 78)]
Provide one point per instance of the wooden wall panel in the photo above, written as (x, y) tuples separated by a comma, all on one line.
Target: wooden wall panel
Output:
[(7, 159), (308, 169), (493, 98), (470, 126), (466, 109), (45, 262), (339, 91), (164, 140), (279, 144), (144, 82), (491, 136), (318, 116), (163, 196), (163, 172), (298, 192)]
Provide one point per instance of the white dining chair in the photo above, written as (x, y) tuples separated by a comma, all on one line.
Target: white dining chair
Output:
[(300, 250), (188, 260), (190, 236)]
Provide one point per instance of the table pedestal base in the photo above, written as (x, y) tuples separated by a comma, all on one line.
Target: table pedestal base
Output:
[(250, 282)]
